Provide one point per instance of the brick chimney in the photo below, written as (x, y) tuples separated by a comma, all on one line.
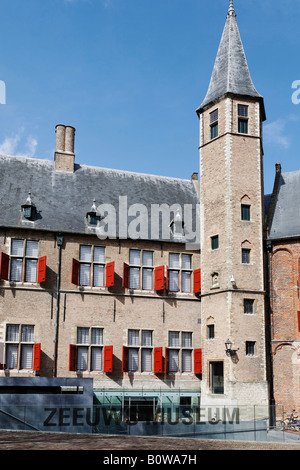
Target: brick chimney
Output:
[(64, 156)]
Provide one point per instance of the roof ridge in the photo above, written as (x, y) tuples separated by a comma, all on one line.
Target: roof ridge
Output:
[(115, 170)]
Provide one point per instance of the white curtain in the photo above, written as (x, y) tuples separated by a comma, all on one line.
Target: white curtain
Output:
[(84, 274), (98, 279), (97, 335), (147, 258), (146, 360), (32, 249), (31, 270), (174, 260), (186, 339), (12, 333), (186, 361), (99, 254), (133, 361), (147, 279), (27, 333), (133, 337), (174, 339), (173, 281), (85, 253), (134, 278), (82, 335), (96, 359), (16, 269), (26, 356), (82, 358), (135, 257), (186, 262), (17, 247), (11, 356), (186, 281), (173, 360)]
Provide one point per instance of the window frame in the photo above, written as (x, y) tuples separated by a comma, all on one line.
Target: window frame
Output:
[(246, 256), (92, 265), (178, 349), (141, 347), (24, 260), (89, 346), (214, 124), (216, 389), (215, 242), (250, 348), (142, 268), (180, 272), (243, 119), (211, 331), (19, 344), (247, 304), (246, 212)]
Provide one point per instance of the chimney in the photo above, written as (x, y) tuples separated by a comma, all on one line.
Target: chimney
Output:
[(64, 156), (194, 176)]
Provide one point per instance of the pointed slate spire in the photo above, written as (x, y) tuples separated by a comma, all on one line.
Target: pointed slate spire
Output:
[(231, 9), (230, 73)]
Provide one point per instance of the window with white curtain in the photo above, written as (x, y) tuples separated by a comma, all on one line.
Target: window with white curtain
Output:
[(24, 260), (180, 272), (141, 269), (180, 349), (140, 350), (92, 265), (89, 348), (19, 346)]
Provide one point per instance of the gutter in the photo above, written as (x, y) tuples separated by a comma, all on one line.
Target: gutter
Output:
[(59, 241)]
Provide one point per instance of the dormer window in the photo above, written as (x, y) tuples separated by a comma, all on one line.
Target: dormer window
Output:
[(242, 119), (29, 209), (177, 225), (214, 124), (92, 216)]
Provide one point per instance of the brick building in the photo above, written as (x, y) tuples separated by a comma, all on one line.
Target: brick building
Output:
[(283, 260), (156, 286)]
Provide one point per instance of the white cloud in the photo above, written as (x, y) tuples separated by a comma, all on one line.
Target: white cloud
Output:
[(15, 145), (275, 132)]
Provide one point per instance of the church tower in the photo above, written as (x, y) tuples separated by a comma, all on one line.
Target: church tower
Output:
[(232, 213)]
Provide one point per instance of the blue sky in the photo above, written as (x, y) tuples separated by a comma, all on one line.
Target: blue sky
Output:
[(129, 75)]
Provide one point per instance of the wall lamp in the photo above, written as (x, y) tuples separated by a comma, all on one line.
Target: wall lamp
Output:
[(228, 348)]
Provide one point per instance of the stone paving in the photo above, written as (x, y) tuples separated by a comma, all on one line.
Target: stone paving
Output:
[(19, 440)]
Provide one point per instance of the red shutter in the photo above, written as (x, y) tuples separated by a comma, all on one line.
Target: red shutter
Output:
[(108, 359), (299, 321), (125, 359), (110, 274), (4, 264), (166, 360), (158, 360), (75, 272), (1, 356), (197, 281), (41, 269), (37, 356), (159, 275), (72, 357), (198, 361), (125, 280)]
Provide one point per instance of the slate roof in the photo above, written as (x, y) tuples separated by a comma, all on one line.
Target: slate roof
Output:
[(231, 72), (286, 217), (62, 199)]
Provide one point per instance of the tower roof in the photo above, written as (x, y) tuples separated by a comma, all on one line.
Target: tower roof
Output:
[(230, 73)]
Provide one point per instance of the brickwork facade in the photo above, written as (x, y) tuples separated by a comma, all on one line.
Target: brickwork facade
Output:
[(285, 307), (114, 310), (231, 177)]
